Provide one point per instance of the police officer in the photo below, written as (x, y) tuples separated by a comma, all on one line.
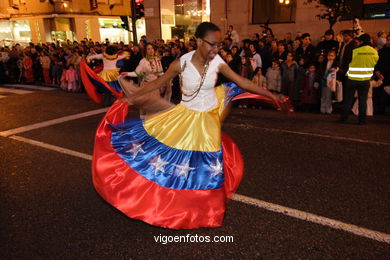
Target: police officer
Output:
[(360, 71)]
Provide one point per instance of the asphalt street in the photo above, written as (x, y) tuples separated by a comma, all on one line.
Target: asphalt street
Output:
[(306, 162)]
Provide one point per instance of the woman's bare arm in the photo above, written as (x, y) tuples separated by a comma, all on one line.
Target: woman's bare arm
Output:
[(173, 70)]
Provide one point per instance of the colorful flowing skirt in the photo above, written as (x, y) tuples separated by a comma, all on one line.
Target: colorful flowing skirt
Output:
[(174, 169), (96, 85)]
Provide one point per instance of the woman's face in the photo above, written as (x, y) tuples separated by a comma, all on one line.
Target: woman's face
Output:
[(243, 60), (331, 56), (281, 48), (251, 47), (290, 56), (210, 45), (149, 50), (321, 59)]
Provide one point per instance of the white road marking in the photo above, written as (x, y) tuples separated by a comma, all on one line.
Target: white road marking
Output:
[(243, 126), (51, 122), (28, 87), (359, 231), (363, 232), (15, 91), (52, 147)]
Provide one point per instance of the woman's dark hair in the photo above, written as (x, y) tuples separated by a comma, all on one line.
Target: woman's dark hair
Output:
[(204, 28), (146, 47), (111, 50), (257, 70)]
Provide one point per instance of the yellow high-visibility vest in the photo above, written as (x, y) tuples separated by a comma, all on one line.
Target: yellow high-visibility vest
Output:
[(363, 62)]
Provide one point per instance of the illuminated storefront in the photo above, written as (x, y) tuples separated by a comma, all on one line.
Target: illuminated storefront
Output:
[(15, 31), (179, 18), (111, 29), (62, 29)]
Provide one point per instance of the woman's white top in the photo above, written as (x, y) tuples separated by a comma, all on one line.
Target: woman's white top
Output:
[(206, 98), (150, 69), (108, 64)]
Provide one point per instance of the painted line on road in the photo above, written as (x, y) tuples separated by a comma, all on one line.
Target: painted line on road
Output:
[(243, 126), (52, 147), (51, 122), (15, 91), (28, 87), (324, 221), (363, 232)]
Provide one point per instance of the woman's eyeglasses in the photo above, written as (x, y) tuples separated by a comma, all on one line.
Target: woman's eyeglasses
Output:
[(217, 45)]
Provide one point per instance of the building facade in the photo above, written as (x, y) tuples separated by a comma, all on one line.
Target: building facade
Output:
[(60, 20), (168, 18)]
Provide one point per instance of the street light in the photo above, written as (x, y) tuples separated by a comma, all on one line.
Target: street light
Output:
[(286, 2)]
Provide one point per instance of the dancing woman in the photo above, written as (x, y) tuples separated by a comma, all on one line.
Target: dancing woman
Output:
[(148, 70), (175, 168), (106, 82)]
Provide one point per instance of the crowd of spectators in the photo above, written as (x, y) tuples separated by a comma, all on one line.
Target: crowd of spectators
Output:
[(292, 66)]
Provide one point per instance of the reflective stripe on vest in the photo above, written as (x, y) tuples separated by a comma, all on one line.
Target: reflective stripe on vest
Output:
[(363, 62), (362, 76)]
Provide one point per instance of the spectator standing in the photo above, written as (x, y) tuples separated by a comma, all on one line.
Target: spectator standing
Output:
[(45, 63), (310, 88), (326, 91), (360, 71), (71, 77), (289, 76), (383, 68), (381, 42), (328, 44), (306, 50), (281, 55), (255, 59), (274, 77), (28, 68), (345, 57)]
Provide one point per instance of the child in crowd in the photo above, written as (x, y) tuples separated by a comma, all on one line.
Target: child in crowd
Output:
[(245, 68), (328, 78), (373, 84), (261, 82), (71, 77), (63, 83), (259, 79), (274, 78), (310, 88)]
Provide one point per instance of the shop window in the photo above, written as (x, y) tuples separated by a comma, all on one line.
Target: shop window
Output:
[(276, 11), (179, 18), (369, 9)]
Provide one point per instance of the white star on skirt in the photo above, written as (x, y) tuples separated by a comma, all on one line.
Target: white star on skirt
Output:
[(158, 164), (184, 169), (217, 169), (136, 148)]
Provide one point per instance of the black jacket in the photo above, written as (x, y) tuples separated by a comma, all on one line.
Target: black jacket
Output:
[(347, 57)]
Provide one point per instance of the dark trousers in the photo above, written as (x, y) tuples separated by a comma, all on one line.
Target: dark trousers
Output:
[(362, 87)]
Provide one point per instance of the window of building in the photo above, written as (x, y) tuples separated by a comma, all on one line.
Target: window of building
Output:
[(276, 11), (179, 18), (370, 9)]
